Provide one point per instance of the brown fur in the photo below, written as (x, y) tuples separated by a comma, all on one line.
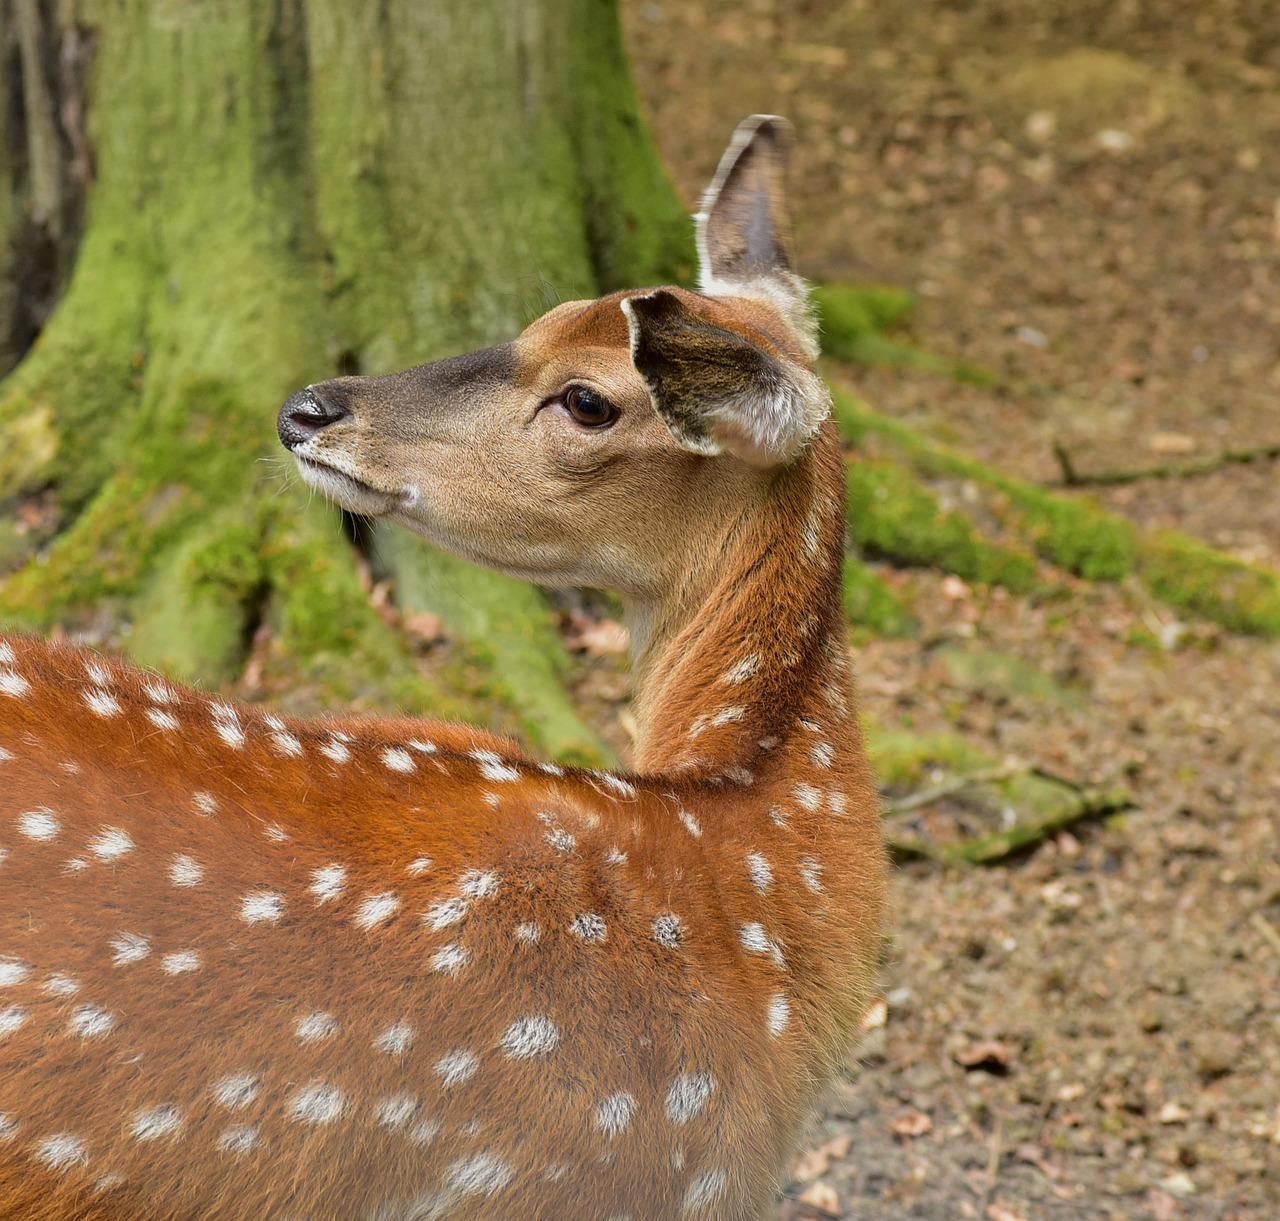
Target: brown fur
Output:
[(752, 818)]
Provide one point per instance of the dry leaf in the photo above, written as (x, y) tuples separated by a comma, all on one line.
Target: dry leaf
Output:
[(989, 1054), (876, 1015), (823, 1198), (811, 1164), (1171, 443), (424, 626), (999, 1211), (911, 1123), (1171, 1112)]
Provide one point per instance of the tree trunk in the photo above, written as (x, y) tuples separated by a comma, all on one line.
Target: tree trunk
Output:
[(283, 191)]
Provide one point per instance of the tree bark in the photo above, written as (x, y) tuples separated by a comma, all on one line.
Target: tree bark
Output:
[(283, 191)]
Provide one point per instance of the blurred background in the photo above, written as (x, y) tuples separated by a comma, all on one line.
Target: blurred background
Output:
[(1044, 236)]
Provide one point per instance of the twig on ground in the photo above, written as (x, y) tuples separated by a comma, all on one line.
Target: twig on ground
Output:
[(988, 849), (951, 786), (1074, 478)]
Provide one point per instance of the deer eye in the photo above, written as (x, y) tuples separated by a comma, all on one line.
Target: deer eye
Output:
[(588, 408)]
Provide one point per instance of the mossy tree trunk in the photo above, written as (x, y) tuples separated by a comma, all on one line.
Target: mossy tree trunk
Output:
[(284, 190)]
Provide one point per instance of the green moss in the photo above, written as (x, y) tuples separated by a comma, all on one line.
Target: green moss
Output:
[(1187, 574), (892, 514), (848, 313), (1001, 674), (870, 603), (1074, 532)]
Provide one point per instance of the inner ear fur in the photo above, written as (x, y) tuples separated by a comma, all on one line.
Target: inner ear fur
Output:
[(717, 390), (744, 233)]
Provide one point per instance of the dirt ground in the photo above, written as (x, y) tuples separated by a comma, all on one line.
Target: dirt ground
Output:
[(1085, 196)]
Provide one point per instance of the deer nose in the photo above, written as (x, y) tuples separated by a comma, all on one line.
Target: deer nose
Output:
[(305, 413)]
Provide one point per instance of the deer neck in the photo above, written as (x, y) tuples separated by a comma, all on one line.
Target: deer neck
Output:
[(731, 664)]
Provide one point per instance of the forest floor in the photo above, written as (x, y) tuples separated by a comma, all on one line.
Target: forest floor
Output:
[(1085, 199)]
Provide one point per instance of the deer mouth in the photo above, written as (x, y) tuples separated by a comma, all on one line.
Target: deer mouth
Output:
[(346, 490)]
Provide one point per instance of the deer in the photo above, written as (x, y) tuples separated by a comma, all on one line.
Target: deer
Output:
[(389, 968)]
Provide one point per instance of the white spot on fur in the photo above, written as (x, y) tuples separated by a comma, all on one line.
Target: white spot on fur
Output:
[(239, 1138), (837, 803), (417, 867), (552, 769), (130, 947), (536, 1035), (180, 963), (727, 716), (446, 912), (777, 816), (528, 932), (691, 823), (807, 796), (185, 870), (328, 882), (286, 744), (7, 657), (615, 857), (480, 1175), (688, 1095), (235, 1091), (396, 1111), (162, 719), (12, 972), (102, 703), (375, 909), (398, 760), (779, 1012), (493, 768), (13, 684), (478, 884), (8, 1127), (614, 1113), (226, 724), (315, 1026), (61, 985), (206, 803), (745, 669), (450, 959), (756, 941), (561, 840), (823, 754), (75, 865), (739, 775), (157, 692), (335, 750), (768, 743), (616, 783), (155, 1122), (457, 1066), (668, 930), (706, 1189), (39, 824), (11, 1019), (110, 844), (811, 873), (760, 871), (588, 926), (90, 1022), (317, 1103), (62, 1150), (396, 1039), (263, 906)]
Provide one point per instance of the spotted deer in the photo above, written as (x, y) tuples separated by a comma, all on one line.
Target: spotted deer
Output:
[(254, 966)]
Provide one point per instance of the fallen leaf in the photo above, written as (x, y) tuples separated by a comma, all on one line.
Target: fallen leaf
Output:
[(1070, 1092), (999, 1211), (823, 1198), (911, 1123), (1179, 1183), (1171, 1112), (991, 1055), (424, 626), (811, 1164), (876, 1015)]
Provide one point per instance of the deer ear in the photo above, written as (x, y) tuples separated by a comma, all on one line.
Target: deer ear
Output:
[(717, 390), (744, 235), (742, 228)]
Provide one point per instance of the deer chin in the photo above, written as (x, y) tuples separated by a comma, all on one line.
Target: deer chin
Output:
[(344, 489)]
